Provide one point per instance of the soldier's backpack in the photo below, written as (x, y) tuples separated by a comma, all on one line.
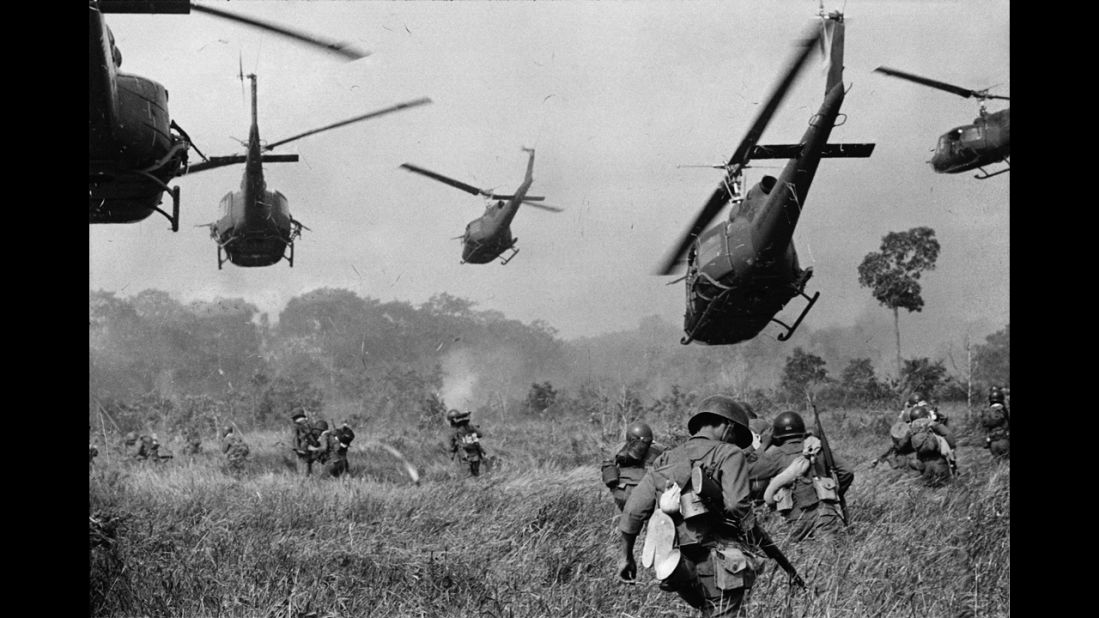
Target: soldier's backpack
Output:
[(994, 416), (901, 434), (923, 439)]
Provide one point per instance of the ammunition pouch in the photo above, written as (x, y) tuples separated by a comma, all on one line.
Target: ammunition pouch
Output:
[(804, 494), (784, 500), (826, 489), (733, 568)]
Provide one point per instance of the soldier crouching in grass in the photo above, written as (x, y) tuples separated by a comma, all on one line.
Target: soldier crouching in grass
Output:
[(701, 542), (630, 464), (236, 451)]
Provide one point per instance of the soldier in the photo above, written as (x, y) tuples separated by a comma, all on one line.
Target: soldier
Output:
[(92, 453), (761, 439), (466, 440), (236, 451), (192, 442), (131, 445), (997, 423), (629, 465), (906, 414), (319, 428), (304, 442), (934, 446), (809, 498), (713, 564), (336, 443)]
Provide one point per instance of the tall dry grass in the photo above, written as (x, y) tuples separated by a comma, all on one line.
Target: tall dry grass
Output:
[(534, 536)]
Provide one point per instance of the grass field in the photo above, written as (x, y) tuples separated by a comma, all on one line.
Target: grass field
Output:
[(533, 536)]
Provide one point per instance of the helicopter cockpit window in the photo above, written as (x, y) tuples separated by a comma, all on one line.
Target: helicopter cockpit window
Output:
[(970, 134), (709, 248)]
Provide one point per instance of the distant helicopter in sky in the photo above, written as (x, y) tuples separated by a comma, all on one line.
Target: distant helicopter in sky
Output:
[(985, 141), (742, 272), (256, 227), (134, 147), (489, 236)]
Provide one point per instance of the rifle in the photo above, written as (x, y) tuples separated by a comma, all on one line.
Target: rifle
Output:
[(769, 547), (710, 491), (826, 453)]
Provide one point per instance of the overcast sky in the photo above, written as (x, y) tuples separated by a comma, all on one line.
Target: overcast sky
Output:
[(613, 95)]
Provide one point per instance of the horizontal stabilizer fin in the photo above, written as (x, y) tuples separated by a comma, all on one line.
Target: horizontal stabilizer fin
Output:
[(215, 162), (792, 151)]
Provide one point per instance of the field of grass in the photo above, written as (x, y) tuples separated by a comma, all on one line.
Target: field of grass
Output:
[(533, 536)]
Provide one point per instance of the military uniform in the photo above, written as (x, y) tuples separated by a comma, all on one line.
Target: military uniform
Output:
[(716, 566), (304, 443), (934, 465), (465, 441), (236, 451), (630, 472), (336, 444), (997, 423), (809, 516)]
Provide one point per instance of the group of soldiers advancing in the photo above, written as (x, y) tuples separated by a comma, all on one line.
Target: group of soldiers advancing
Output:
[(701, 500), (704, 500), (315, 442)]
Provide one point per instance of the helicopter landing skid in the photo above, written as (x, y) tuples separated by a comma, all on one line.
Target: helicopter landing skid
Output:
[(987, 175), (514, 251), (290, 258), (790, 329), (174, 217)]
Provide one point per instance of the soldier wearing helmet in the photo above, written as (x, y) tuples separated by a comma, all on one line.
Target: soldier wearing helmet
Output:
[(304, 441), (336, 442), (810, 501), (909, 404), (629, 465), (465, 440), (933, 444), (710, 566), (997, 423)]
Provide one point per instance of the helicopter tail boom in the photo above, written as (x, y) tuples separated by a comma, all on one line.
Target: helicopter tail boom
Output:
[(792, 151)]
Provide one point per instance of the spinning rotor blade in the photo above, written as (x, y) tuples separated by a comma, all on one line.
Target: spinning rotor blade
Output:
[(380, 112), (958, 90), (740, 156), (543, 206), (445, 180), (342, 48)]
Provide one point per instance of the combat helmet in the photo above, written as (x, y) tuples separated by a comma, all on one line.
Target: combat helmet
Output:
[(995, 395), (725, 408), (639, 431), (789, 424), (455, 416), (921, 411)]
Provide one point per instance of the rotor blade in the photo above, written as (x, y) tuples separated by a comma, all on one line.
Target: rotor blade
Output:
[(958, 90), (544, 206), (380, 112), (445, 180), (739, 159), (716, 202), (340, 47), (807, 44)]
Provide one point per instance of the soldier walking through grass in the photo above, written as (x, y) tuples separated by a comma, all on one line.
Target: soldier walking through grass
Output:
[(934, 446), (630, 464), (335, 443), (802, 491), (710, 560), (236, 451), (304, 442), (465, 441), (997, 423)]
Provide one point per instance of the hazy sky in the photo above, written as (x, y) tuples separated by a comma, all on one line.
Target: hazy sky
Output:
[(613, 95)]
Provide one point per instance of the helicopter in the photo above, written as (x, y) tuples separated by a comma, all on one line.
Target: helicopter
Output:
[(256, 227), (742, 272), (489, 236), (134, 148), (987, 140)]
